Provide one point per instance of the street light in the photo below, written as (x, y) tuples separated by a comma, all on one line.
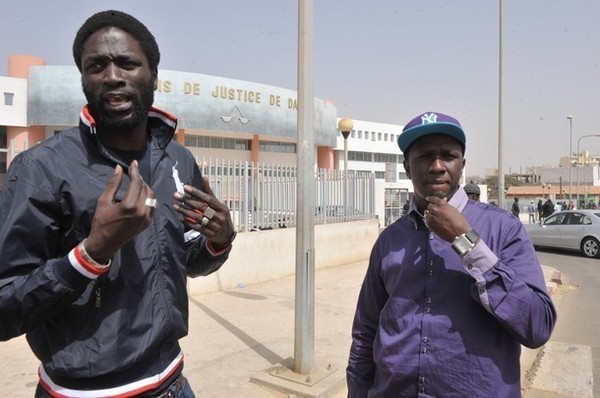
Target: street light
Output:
[(500, 138), (345, 126), (570, 119), (544, 186), (577, 164)]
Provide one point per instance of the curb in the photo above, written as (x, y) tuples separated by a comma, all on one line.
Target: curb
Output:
[(553, 278)]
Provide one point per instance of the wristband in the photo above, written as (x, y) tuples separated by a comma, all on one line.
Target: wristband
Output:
[(216, 252), (88, 262)]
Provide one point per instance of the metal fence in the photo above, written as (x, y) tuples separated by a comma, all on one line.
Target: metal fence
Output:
[(263, 196)]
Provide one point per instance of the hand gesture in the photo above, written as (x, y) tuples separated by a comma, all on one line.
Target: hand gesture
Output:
[(444, 219), (203, 212), (115, 223)]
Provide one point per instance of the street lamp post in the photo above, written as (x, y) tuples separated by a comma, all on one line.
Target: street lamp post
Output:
[(500, 138), (544, 186), (577, 164), (570, 119), (345, 126)]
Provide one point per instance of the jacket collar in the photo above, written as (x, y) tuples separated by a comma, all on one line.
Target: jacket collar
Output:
[(161, 124)]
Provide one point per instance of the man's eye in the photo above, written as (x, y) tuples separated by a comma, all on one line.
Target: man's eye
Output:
[(94, 66), (127, 64)]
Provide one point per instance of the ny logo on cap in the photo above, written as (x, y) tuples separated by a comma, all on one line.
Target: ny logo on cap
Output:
[(429, 118)]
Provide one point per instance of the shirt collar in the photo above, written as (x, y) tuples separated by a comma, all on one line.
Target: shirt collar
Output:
[(458, 201)]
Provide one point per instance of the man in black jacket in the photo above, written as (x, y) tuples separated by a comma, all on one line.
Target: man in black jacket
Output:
[(100, 226)]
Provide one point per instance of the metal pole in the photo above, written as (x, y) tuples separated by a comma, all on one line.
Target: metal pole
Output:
[(577, 166), (500, 164), (570, 118), (304, 341), (345, 177)]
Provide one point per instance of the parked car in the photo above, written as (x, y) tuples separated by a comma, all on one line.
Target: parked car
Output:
[(570, 230)]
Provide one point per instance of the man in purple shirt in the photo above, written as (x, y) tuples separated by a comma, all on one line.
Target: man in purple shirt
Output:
[(452, 290)]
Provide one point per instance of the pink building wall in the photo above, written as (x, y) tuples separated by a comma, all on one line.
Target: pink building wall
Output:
[(23, 137)]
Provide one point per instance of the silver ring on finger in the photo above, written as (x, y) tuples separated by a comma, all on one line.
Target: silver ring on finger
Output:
[(151, 202), (205, 221), (209, 213)]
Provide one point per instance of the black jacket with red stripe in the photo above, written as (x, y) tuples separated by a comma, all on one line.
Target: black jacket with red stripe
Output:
[(125, 325)]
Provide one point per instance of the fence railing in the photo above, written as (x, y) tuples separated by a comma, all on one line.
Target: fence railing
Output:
[(263, 196)]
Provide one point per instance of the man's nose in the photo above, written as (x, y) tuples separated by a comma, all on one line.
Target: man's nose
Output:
[(437, 164), (113, 73)]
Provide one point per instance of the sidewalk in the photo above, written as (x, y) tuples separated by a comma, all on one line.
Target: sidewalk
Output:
[(238, 334)]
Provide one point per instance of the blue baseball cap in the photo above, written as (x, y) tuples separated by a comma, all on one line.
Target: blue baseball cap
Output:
[(431, 123)]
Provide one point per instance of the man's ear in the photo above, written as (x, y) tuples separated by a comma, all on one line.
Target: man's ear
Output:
[(406, 168), (155, 78)]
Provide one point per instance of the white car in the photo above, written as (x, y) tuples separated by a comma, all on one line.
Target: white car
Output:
[(570, 230)]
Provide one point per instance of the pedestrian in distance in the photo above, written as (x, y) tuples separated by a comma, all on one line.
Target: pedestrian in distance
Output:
[(452, 290), (101, 225), (540, 209), (515, 210), (531, 209), (547, 208), (558, 207), (473, 191), (405, 207)]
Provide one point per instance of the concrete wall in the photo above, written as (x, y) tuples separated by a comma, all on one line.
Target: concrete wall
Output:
[(265, 255)]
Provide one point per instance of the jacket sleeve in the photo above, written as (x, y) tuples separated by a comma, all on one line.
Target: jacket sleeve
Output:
[(510, 284), (36, 283), (200, 260), (372, 297)]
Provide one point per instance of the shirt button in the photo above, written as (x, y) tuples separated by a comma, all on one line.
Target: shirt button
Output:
[(422, 379), (430, 262), (428, 300), (428, 310), (425, 339), (470, 266), (422, 389), (424, 350)]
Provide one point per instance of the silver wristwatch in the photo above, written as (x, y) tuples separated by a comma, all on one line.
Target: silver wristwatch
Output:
[(465, 242)]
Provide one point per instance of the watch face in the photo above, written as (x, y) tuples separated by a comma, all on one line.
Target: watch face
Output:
[(462, 245)]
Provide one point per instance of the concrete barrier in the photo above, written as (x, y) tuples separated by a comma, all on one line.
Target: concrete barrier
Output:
[(266, 255)]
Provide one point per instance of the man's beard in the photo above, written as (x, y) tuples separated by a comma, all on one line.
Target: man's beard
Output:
[(105, 121)]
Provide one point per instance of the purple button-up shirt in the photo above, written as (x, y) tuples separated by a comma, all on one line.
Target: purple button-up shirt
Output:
[(429, 323)]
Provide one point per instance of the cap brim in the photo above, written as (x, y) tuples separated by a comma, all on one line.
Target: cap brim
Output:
[(409, 136)]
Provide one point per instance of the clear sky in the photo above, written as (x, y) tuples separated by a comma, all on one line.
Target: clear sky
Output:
[(382, 61)]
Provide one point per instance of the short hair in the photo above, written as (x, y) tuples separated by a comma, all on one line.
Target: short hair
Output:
[(123, 21), (472, 188)]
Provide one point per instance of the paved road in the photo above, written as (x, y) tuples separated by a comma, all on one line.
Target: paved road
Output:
[(571, 360), (240, 334)]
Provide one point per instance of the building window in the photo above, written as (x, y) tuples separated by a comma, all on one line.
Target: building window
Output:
[(8, 98), (199, 141), (191, 140), (272, 146), (378, 136), (386, 158), (242, 145), (359, 156), (3, 137), (359, 133), (353, 134)]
